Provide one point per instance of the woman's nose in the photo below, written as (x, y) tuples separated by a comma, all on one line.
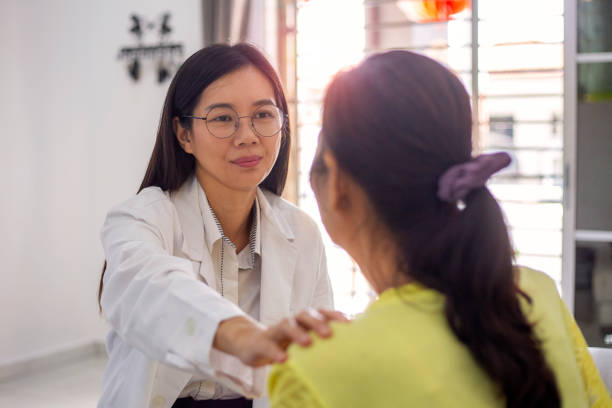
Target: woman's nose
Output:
[(245, 134)]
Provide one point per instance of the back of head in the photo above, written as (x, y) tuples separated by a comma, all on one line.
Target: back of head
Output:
[(396, 124)]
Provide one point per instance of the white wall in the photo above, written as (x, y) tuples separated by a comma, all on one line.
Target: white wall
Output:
[(76, 134)]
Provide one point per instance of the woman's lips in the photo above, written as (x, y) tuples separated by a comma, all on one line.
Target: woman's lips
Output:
[(247, 161)]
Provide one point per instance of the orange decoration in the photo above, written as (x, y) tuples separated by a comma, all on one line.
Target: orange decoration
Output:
[(442, 10)]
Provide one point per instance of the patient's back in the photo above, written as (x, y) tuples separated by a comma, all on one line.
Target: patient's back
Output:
[(401, 352)]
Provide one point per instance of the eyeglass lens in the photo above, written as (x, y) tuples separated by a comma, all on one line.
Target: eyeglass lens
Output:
[(223, 121)]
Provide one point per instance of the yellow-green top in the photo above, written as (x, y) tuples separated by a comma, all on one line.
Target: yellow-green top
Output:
[(402, 353)]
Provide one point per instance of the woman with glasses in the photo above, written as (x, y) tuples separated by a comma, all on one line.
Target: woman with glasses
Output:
[(455, 324), (205, 265)]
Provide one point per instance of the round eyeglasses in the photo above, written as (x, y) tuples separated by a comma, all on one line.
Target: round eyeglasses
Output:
[(223, 121)]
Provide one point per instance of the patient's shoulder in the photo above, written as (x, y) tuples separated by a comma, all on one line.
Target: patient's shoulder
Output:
[(536, 283)]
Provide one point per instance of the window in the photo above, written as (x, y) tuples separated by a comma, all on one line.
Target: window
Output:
[(514, 77), (503, 126)]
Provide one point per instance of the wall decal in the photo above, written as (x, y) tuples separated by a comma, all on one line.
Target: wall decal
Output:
[(162, 54)]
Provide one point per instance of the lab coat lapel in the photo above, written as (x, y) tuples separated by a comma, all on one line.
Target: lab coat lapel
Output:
[(279, 256), (186, 200)]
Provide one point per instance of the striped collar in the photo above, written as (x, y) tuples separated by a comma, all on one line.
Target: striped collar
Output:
[(213, 231)]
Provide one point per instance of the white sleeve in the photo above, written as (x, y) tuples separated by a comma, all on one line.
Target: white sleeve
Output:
[(153, 299)]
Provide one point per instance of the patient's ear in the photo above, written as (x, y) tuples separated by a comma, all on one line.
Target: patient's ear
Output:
[(339, 184), (183, 135)]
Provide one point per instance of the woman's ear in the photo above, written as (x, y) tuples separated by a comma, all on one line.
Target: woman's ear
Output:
[(182, 134), (338, 184)]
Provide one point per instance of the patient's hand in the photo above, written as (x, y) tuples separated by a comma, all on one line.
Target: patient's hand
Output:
[(256, 345)]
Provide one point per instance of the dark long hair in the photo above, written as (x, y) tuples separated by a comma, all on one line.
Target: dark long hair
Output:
[(395, 123), (169, 165)]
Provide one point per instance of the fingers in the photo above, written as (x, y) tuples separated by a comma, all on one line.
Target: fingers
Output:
[(287, 332), (315, 321), (334, 315), (269, 346)]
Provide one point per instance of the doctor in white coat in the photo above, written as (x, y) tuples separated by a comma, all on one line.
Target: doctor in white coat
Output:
[(207, 264)]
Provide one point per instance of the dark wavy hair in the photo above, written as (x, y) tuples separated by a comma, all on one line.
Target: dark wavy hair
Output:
[(170, 165), (395, 123)]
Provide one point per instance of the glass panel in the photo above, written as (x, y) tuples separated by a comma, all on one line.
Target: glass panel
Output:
[(309, 113), (502, 133), (526, 191), (595, 81), (594, 28), (535, 242), (534, 165), (536, 57), (410, 11), (322, 50), (544, 109), (349, 286), (521, 108), (594, 147), (593, 171), (521, 84), (457, 59), (533, 29), (529, 221), (520, 105), (525, 215), (416, 35), (466, 78), (591, 299), (518, 10)]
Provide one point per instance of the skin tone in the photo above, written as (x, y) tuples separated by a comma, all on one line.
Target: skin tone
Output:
[(347, 212), (230, 189)]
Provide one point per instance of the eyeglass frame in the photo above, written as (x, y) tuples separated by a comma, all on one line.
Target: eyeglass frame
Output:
[(285, 117)]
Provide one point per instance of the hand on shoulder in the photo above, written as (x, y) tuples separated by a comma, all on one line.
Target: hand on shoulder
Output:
[(256, 345)]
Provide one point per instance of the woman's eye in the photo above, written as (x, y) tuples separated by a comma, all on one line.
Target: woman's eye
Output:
[(222, 118), (263, 115)]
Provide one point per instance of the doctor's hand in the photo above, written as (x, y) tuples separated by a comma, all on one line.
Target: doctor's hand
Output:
[(256, 345)]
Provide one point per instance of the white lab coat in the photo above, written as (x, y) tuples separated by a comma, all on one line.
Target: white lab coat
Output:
[(161, 301)]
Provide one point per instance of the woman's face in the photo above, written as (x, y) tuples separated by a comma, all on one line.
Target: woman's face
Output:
[(331, 190), (243, 160)]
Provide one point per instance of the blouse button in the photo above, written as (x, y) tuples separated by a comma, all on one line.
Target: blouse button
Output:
[(158, 402), (190, 326)]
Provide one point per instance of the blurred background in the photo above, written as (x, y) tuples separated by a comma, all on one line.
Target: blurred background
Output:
[(82, 86)]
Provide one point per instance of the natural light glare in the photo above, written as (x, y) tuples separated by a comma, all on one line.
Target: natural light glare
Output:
[(325, 45), (520, 105)]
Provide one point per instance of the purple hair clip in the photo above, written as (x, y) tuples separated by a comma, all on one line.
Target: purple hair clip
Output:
[(456, 182)]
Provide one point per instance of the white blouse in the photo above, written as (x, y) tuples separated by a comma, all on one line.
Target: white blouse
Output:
[(162, 293), (238, 277)]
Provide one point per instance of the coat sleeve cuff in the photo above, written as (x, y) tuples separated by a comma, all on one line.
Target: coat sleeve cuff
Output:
[(231, 372)]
